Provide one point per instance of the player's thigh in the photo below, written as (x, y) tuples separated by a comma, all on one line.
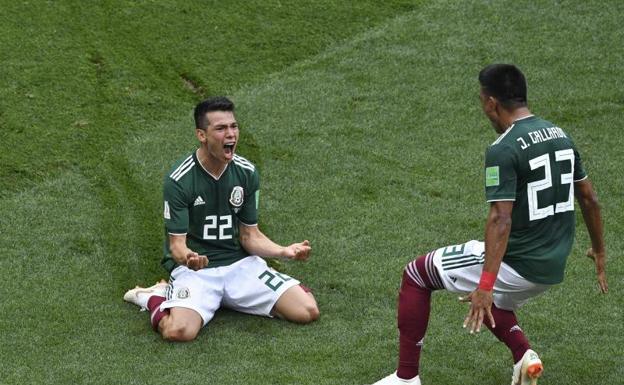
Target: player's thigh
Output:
[(200, 291), (296, 305), (254, 288), (511, 290), (460, 267)]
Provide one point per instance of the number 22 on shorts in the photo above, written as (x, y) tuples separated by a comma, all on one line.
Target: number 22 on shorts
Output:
[(274, 279)]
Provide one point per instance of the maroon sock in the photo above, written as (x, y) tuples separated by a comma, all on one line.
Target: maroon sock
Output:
[(413, 317), (508, 332), (153, 305)]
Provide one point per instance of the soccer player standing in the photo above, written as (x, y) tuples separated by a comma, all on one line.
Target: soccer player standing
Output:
[(533, 171), (212, 239)]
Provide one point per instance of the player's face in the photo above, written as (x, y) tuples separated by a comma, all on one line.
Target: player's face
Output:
[(490, 109), (220, 137)]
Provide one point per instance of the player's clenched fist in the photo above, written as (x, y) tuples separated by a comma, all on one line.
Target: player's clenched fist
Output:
[(195, 261)]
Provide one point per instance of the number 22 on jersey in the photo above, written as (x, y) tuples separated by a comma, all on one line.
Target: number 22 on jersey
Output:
[(218, 227)]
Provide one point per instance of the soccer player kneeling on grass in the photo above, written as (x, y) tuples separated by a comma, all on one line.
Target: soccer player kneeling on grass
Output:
[(212, 239), (532, 173)]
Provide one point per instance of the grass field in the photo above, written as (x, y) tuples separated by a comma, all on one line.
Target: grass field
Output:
[(365, 124)]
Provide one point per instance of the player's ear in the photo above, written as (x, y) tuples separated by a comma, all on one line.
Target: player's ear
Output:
[(491, 104), (200, 134)]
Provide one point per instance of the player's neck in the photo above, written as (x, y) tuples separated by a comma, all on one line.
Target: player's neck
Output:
[(213, 166), (520, 113), (512, 116)]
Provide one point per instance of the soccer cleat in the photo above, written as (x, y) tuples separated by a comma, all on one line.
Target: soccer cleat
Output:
[(393, 379), (527, 370), (140, 295)]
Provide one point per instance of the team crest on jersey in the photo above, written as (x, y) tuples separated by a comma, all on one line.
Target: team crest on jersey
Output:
[(236, 197), (183, 293)]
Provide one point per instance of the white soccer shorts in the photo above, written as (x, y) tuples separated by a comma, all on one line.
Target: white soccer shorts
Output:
[(248, 286), (460, 268)]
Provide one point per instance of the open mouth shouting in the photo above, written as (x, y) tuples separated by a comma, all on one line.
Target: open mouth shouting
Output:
[(228, 149)]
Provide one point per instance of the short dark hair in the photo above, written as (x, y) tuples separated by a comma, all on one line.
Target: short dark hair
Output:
[(506, 83), (217, 103)]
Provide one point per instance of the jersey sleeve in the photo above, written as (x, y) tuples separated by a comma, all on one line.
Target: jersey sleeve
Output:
[(500, 174), (579, 170), (248, 214), (176, 211)]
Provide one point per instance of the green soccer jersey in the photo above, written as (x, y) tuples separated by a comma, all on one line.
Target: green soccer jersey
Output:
[(209, 209), (535, 164)]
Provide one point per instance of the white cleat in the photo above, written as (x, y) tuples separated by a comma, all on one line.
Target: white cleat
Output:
[(527, 370), (140, 295), (394, 380)]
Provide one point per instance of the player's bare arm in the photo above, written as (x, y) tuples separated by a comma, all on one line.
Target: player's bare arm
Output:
[(588, 202), (497, 231), (185, 256), (255, 242)]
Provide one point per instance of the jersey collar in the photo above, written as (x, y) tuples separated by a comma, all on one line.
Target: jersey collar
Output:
[(215, 177), (522, 118)]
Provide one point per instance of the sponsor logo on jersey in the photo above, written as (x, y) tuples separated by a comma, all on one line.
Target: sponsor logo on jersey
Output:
[(236, 197), (183, 293), (199, 201), (491, 176)]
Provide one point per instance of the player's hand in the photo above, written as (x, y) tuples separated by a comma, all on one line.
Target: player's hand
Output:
[(601, 272), (480, 307), (195, 261), (299, 251)]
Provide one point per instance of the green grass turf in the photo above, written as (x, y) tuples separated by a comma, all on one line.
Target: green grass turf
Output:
[(365, 124)]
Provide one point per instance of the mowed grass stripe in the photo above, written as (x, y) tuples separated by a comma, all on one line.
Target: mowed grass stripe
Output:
[(159, 56), (372, 187), (94, 328)]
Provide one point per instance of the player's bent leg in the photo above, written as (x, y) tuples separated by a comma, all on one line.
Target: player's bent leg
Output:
[(181, 325), (252, 287), (296, 305), (420, 279)]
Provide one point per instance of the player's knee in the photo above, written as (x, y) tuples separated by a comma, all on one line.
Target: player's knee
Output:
[(314, 313), (179, 333), (178, 329), (307, 313), (297, 306), (181, 325)]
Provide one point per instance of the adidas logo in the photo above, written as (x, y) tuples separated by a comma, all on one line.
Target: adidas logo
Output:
[(199, 201), (454, 279), (515, 328)]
